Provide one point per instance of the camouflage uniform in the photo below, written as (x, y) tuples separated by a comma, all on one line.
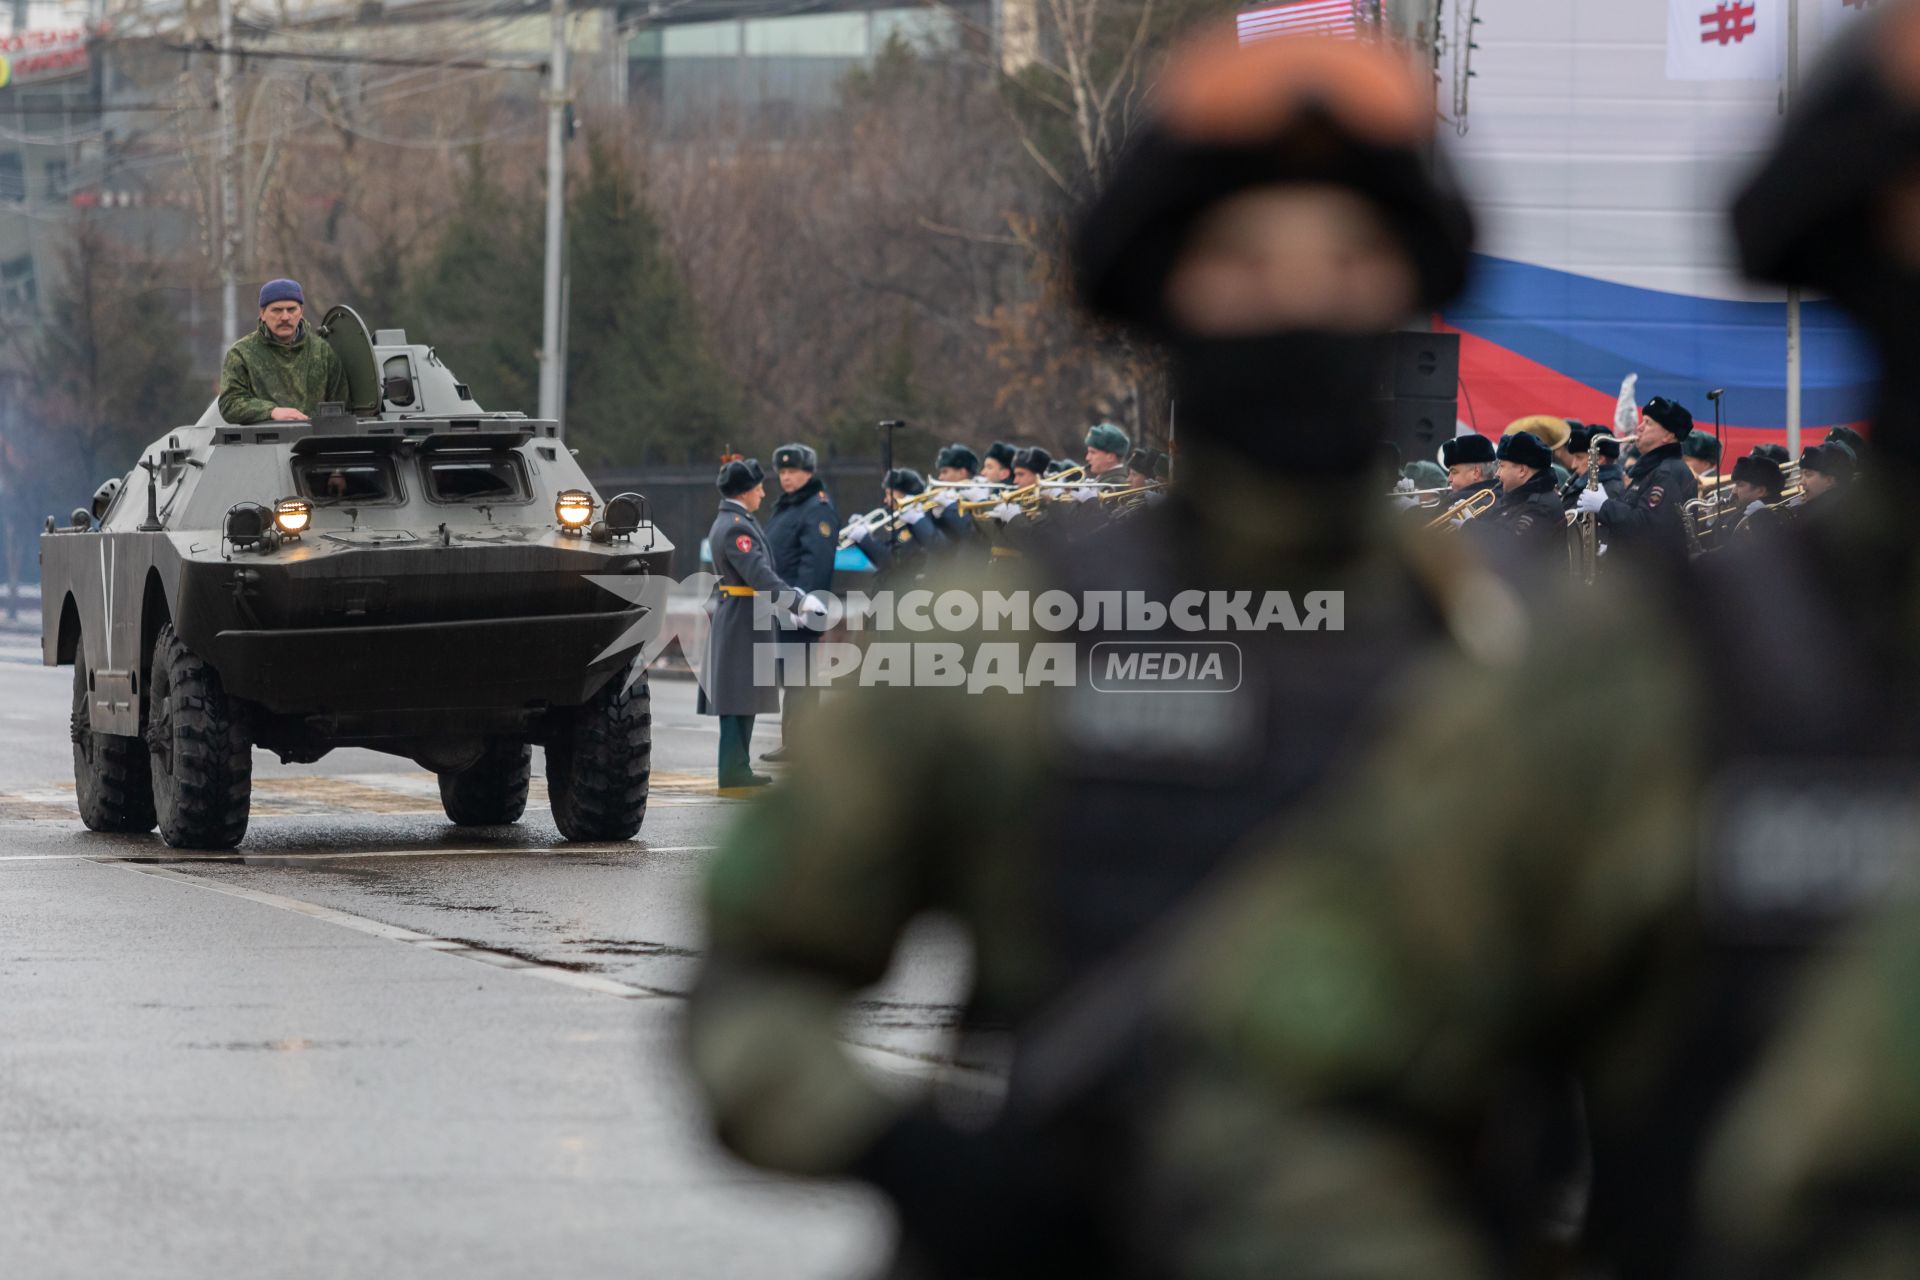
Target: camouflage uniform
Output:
[(1102, 811), (1357, 1000), (260, 375)]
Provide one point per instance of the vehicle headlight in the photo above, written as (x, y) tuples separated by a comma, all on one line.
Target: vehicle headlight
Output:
[(573, 508), (292, 515)]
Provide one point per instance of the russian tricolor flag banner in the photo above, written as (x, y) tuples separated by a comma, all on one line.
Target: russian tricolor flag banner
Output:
[(1302, 17)]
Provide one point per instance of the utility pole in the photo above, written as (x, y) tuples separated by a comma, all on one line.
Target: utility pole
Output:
[(551, 350), (229, 183), (1795, 355)]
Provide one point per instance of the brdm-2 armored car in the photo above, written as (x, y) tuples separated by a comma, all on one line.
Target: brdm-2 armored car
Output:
[(406, 572)]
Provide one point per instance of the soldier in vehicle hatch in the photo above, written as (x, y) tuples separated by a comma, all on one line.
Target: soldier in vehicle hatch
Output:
[(281, 372)]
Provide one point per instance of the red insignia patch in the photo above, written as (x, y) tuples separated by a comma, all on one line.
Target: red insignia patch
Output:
[(1655, 495), (743, 543)]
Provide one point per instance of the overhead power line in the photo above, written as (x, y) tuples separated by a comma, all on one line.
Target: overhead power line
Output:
[(357, 59)]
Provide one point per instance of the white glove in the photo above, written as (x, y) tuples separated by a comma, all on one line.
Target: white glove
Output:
[(979, 493), (811, 607), (1591, 498), (1084, 493), (1006, 511), (1457, 521), (856, 529), (913, 515), (946, 498)]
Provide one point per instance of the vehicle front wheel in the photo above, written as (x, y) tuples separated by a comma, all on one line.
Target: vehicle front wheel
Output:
[(202, 761), (597, 770), (111, 777), (492, 791)]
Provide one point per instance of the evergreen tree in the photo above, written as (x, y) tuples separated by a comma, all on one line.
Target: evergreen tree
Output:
[(477, 300), (642, 382)]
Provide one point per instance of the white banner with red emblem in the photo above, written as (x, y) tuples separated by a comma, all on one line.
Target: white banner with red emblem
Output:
[(1298, 18), (1726, 39)]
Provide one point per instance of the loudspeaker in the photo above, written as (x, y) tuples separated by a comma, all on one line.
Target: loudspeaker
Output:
[(1421, 366), (1419, 391), (1419, 427)]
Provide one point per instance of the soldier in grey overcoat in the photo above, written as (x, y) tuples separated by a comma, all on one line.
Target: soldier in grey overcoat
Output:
[(728, 687)]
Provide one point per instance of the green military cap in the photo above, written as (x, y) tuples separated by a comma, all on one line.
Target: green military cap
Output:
[(1109, 439)]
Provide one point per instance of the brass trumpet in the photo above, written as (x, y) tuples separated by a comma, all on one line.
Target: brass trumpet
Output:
[(1466, 509)]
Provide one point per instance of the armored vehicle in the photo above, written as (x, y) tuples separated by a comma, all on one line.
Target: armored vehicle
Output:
[(405, 572)]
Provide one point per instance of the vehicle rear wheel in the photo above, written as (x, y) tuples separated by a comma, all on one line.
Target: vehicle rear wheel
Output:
[(202, 760), (597, 771), (111, 777), (492, 791)]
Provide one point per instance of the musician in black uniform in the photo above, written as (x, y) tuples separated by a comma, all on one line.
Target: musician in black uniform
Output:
[(903, 548), (1702, 453), (996, 467), (1469, 460), (1647, 517), (955, 464), (1757, 486), (1529, 508), (802, 533), (1827, 471), (1030, 465)]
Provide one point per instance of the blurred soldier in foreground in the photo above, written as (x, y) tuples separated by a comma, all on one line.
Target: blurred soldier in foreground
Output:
[(1403, 952), (801, 533), (1277, 215), (1819, 1174)]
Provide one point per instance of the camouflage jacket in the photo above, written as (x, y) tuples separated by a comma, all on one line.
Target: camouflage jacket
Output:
[(1638, 923), (260, 375), (818, 881)]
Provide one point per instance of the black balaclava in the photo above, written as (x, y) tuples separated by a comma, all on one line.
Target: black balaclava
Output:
[(1282, 112), (1812, 214)]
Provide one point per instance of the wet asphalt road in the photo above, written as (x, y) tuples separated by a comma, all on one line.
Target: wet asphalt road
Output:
[(374, 1044)]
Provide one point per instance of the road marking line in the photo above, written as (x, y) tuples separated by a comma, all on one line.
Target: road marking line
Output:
[(268, 859), (873, 1055), (394, 933)]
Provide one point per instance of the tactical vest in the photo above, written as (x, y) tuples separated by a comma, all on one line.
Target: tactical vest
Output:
[(1811, 816)]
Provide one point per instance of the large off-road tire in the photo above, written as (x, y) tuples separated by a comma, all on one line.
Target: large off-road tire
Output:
[(597, 770), (202, 760), (111, 778), (492, 791)]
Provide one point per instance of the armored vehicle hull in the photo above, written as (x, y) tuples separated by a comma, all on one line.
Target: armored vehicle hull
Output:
[(412, 575)]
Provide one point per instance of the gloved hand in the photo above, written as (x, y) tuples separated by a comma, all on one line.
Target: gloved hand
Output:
[(1591, 499), (914, 514), (946, 498), (1084, 493), (856, 529), (1006, 511), (979, 493), (999, 1201), (811, 607)]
